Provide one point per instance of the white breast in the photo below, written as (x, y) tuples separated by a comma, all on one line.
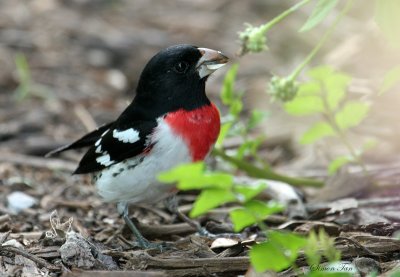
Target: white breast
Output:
[(134, 180)]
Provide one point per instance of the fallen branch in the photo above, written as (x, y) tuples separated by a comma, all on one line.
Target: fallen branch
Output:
[(205, 265), (39, 261)]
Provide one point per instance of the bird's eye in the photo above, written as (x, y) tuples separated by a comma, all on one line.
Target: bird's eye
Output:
[(181, 67)]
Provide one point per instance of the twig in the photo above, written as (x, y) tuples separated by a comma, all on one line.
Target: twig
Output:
[(266, 173), (166, 230), (359, 246), (39, 261), (180, 265), (84, 116)]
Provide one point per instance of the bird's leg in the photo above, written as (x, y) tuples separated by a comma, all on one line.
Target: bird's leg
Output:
[(142, 242), (172, 205)]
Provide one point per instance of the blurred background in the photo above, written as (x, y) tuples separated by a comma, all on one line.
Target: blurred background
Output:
[(68, 66)]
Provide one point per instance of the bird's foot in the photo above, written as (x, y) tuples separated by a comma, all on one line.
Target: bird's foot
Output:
[(205, 233)]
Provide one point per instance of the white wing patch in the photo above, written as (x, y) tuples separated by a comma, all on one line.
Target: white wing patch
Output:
[(127, 136), (98, 149), (104, 160)]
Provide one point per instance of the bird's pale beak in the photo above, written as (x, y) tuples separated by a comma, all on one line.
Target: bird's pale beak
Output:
[(210, 61)]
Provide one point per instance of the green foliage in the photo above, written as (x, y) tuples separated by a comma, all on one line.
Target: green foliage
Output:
[(318, 131), (325, 95), (391, 78), (318, 245), (253, 212), (278, 252), (281, 250), (319, 13), (338, 162), (218, 188), (351, 114), (305, 105), (256, 117), (228, 89), (24, 77), (232, 125), (387, 17), (211, 198), (194, 176), (26, 86)]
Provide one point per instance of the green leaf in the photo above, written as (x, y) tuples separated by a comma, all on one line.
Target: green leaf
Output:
[(390, 80), (308, 100), (337, 163), (266, 256), (387, 17), (252, 212), (312, 249), (185, 171), (255, 119), (310, 88), (289, 241), (317, 131), (193, 176), (278, 253), (236, 106), (319, 13), (332, 82), (227, 93), (248, 192), (24, 77), (210, 199), (351, 114), (335, 87), (223, 133), (305, 105)]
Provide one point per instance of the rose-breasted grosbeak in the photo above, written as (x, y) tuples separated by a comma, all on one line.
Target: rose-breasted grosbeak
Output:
[(170, 121)]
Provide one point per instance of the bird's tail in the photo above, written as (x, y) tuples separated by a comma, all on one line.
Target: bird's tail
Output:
[(87, 140)]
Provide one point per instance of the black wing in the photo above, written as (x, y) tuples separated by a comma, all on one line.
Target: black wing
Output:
[(112, 147), (87, 140)]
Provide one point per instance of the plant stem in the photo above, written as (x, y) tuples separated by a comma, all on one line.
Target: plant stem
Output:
[(266, 173), (280, 17), (330, 118), (322, 41)]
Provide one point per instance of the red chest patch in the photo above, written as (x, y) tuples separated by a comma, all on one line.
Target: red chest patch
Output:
[(199, 129)]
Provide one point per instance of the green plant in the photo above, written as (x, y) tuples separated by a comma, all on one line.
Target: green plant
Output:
[(234, 126), (281, 249), (219, 188), (325, 95), (24, 77), (27, 87)]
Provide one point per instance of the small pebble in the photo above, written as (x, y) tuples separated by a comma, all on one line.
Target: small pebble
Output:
[(18, 201)]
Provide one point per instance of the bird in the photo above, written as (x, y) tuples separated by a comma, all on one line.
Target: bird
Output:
[(169, 122)]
